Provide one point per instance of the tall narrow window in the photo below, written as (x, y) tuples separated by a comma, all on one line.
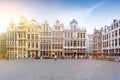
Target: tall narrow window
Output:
[(112, 43), (36, 36), (32, 36), (83, 43), (74, 43), (119, 41), (112, 34), (115, 42), (28, 44), (81, 35), (78, 43), (119, 32), (68, 43), (116, 33), (32, 44), (36, 44), (28, 36), (65, 43)]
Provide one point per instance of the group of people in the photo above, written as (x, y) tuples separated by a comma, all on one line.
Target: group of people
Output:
[(55, 57)]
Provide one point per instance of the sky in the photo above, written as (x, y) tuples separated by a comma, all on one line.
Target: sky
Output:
[(89, 13)]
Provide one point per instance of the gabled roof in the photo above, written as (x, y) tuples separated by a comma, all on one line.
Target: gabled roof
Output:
[(73, 21)]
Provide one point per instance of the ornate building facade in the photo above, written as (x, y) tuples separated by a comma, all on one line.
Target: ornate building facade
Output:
[(21, 37), (2, 45), (11, 40), (97, 41), (45, 40), (106, 41), (74, 40), (57, 39), (89, 43), (29, 39), (111, 38), (32, 39)]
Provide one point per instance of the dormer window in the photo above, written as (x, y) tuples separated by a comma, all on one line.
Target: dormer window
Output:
[(74, 24)]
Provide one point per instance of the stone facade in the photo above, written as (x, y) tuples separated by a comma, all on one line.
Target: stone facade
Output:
[(57, 39), (89, 43), (106, 40), (45, 40), (30, 39), (2, 45), (97, 41), (33, 39), (111, 38), (74, 40)]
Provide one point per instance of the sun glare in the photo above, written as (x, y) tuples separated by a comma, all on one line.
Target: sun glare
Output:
[(7, 11)]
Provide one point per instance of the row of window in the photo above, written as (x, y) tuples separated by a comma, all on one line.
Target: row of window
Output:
[(74, 43), (73, 49), (57, 46), (21, 49), (35, 36), (32, 30), (57, 40), (45, 29), (57, 28), (79, 35), (11, 34), (32, 36), (97, 39), (45, 47), (32, 44), (45, 34), (97, 46), (11, 43), (111, 43), (21, 43), (57, 34), (21, 35), (45, 40), (112, 35)]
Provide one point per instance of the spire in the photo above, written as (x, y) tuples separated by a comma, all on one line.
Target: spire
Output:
[(33, 20), (22, 20), (12, 24), (57, 21)]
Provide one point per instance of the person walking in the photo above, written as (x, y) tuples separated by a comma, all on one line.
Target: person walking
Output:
[(55, 57)]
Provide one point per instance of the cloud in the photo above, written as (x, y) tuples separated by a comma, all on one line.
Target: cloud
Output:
[(95, 7)]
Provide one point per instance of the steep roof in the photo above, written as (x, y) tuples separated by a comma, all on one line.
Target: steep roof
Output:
[(73, 21)]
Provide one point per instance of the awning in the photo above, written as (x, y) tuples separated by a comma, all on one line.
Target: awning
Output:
[(68, 52), (81, 52)]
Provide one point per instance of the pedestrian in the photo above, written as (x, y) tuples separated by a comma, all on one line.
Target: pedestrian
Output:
[(41, 57), (55, 57)]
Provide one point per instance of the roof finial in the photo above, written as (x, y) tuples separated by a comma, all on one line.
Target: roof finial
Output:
[(12, 24), (57, 21)]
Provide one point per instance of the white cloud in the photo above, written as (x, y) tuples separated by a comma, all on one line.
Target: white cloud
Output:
[(95, 7)]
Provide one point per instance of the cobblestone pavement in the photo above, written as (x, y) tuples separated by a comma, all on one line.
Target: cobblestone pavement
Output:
[(66, 69)]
